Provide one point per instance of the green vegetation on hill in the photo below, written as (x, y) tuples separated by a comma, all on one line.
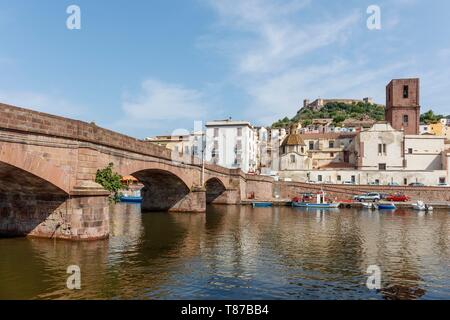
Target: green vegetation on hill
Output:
[(337, 111), (430, 117)]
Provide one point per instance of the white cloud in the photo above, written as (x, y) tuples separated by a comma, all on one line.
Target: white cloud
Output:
[(282, 95), (160, 106), (277, 37), (272, 62)]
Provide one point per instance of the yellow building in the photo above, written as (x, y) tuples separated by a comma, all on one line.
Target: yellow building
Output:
[(437, 129)]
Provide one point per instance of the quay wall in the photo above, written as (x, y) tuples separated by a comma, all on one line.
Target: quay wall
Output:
[(289, 190)]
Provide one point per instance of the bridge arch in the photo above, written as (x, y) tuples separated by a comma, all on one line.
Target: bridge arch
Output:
[(214, 189), (163, 190), (27, 201), (29, 165), (135, 167)]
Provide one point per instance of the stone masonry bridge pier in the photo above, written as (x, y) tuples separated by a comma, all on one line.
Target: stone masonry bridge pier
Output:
[(47, 173)]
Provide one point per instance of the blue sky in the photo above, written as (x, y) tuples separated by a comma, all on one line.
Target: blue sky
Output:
[(150, 67)]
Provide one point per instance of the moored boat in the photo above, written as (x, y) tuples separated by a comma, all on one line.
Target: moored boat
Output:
[(131, 199), (134, 197), (368, 205), (321, 202), (386, 206), (422, 206), (262, 204)]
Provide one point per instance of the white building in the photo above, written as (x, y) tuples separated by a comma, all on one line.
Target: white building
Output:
[(232, 144)]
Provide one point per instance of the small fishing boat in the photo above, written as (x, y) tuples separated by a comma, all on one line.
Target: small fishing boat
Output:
[(421, 206), (369, 205), (261, 204), (131, 199), (321, 202), (386, 206)]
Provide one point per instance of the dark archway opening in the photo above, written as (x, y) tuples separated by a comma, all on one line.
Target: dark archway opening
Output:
[(214, 189), (162, 190), (26, 201)]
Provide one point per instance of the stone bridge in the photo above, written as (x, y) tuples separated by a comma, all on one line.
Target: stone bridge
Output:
[(47, 173)]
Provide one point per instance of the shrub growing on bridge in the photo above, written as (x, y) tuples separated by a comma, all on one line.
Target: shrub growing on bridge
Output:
[(111, 181)]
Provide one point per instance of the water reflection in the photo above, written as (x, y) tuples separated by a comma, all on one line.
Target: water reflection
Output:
[(239, 253)]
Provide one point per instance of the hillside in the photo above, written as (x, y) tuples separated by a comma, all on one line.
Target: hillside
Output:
[(337, 111)]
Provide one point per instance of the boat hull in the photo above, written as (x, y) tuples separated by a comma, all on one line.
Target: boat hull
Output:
[(422, 208), (316, 205), (386, 207), (261, 204), (131, 199)]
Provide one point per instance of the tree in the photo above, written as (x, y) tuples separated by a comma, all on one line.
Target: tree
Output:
[(430, 117), (111, 181)]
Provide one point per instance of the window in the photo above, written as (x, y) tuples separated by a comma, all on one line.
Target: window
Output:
[(216, 132), (405, 181), (442, 180), (382, 166), (186, 150), (332, 155), (319, 178), (339, 178), (410, 150), (302, 150), (292, 158), (405, 92), (239, 132), (353, 179), (239, 146), (331, 144), (382, 149), (405, 118), (311, 145)]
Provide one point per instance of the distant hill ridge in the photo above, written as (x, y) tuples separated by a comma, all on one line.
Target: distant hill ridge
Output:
[(341, 109), (338, 110)]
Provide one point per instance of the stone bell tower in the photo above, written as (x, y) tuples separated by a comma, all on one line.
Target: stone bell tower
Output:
[(402, 105)]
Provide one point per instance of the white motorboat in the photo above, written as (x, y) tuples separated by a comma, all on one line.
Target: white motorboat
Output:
[(369, 205), (421, 206)]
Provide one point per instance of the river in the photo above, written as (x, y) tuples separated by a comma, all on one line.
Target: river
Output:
[(234, 252)]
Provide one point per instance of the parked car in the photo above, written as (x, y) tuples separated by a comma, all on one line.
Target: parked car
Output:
[(368, 197), (398, 197), (393, 184), (443, 184), (349, 182), (416, 184), (374, 183)]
